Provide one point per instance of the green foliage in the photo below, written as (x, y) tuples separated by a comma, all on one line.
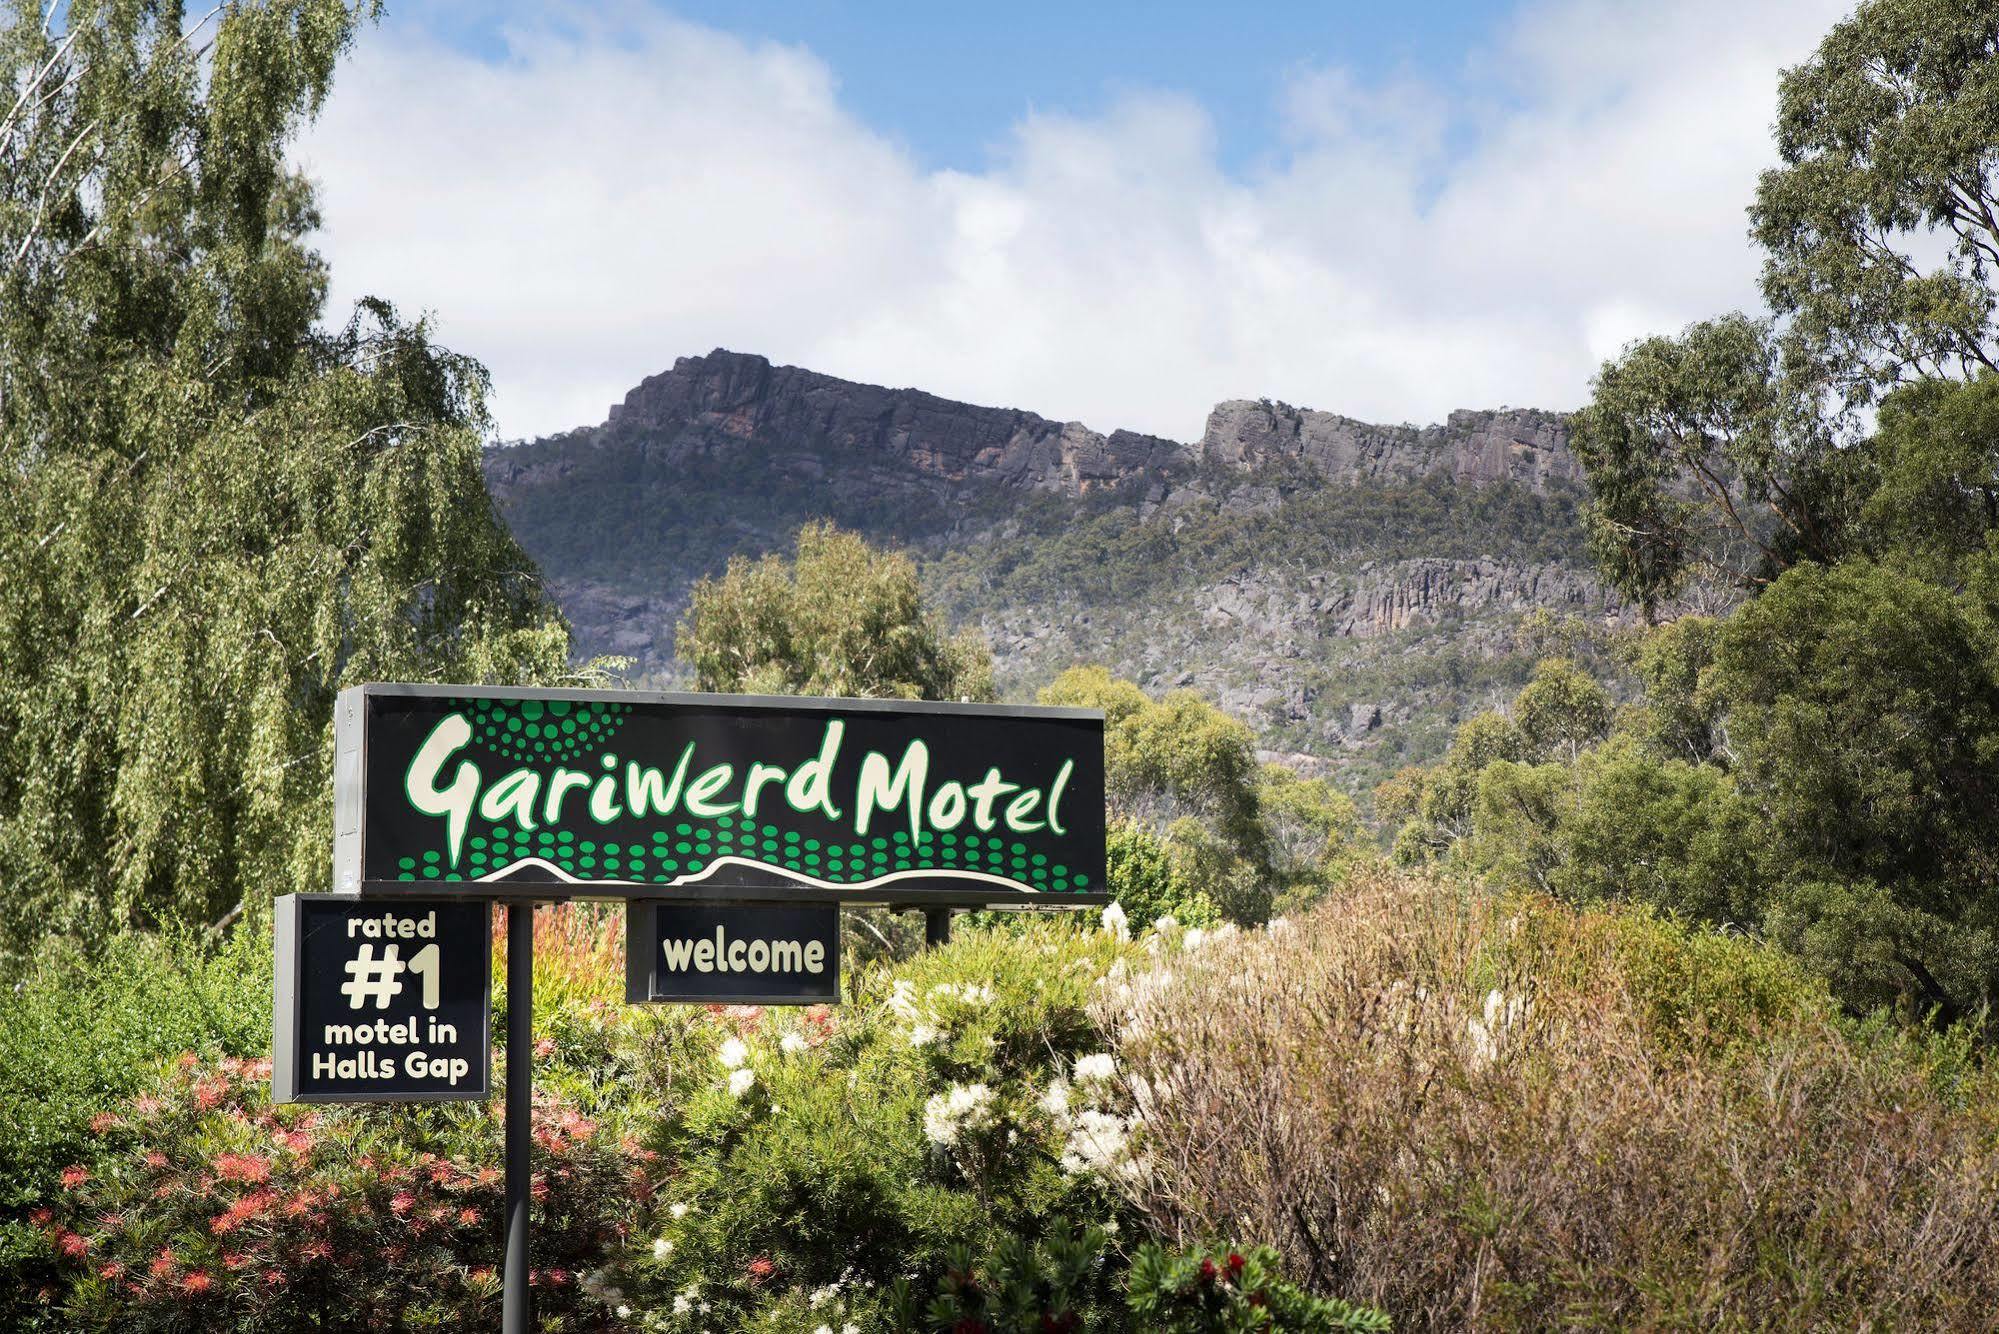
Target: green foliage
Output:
[(823, 1154), (1561, 711), (217, 513), (1142, 878), (839, 619), (1864, 707), (1060, 1283), (1937, 449), (1885, 135), (78, 1035), (1226, 1291), (1682, 717), (1701, 468), (1181, 764), (204, 1207)]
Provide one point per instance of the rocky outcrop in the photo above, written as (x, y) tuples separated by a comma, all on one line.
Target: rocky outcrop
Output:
[(729, 401), (811, 429), (1517, 445), (1328, 636)]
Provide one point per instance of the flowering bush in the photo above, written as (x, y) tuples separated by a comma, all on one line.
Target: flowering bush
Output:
[(823, 1154), (1482, 1112), (205, 1207)]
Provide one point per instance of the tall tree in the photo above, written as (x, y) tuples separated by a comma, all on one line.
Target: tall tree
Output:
[(216, 513), (838, 619), (1887, 136)]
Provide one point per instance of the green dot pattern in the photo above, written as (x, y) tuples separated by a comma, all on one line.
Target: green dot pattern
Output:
[(529, 731), (689, 848)]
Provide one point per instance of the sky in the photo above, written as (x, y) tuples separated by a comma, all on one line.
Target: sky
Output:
[(1119, 216)]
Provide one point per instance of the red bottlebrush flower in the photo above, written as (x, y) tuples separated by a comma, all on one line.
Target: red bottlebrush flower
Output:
[(209, 1094), (164, 1264), (196, 1282), (102, 1122), (1209, 1271), (224, 1222), (72, 1245), (538, 1189), (1235, 1264), (274, 1278), (40, 1217), (110, 1222), (74, 1175), (249, 1168), (558, 1278), (760, 1268), (483, 1274), (234, 1260), (187, 1060), (146, 1104), (259, 1068), (110, 1272), (316, 1249), (468, 1218), (402, 1202), (544, 1048), (156, 1160)]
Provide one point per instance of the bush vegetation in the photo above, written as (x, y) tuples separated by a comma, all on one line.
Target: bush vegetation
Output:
[(1493, 1112)]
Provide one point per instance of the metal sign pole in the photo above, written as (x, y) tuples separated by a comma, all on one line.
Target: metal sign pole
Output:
[(517, 1298)]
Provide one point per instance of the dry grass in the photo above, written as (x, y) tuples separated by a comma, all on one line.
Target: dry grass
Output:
[(1644, 1130)]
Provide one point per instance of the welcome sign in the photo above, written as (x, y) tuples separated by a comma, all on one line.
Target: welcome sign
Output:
[(626, 794)]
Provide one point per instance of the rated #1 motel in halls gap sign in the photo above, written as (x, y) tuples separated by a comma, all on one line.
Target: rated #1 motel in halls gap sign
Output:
[(758, 799)]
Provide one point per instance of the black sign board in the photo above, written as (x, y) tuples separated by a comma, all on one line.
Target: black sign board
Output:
[(763, 955), (381, 1001), (633, 795)]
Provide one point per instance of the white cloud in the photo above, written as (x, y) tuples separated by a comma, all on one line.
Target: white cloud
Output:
[(606, 199)]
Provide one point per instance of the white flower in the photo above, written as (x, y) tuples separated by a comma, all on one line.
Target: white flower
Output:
[(962, 1107), (791, 1044), (902, 1000), (624, 1313), (1116, 925), (823, 1329), (681, 1305), (1098, 1066), (923, 1035), (679, 1210), (1165, 924), (1277, 926), (850, 1328), (1191, 941), (1056, 1100), (741, 1082), (733, 1053), (819, 1297), (1099, 1142), (661, 1247)]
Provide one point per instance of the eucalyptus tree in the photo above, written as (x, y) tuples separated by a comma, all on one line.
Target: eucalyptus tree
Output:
[(215, 509)]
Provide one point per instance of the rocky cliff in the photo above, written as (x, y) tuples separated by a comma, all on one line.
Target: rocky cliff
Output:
[(1350, 588)]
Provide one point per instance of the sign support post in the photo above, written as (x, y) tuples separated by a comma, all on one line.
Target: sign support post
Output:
[(936, 926), (516, 1296)]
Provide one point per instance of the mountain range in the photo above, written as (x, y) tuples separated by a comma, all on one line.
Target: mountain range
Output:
[(1352, 590)]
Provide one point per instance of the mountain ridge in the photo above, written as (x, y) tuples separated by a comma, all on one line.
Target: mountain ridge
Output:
[(1305, 568)]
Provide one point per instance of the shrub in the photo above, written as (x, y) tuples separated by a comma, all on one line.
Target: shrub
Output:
[(1503, 1113), (77, 1034), (208, 1208), (1224, 1291), (1053, 1286), (821, 1155)]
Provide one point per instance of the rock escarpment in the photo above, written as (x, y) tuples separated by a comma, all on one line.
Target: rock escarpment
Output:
[(1348, 588)]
